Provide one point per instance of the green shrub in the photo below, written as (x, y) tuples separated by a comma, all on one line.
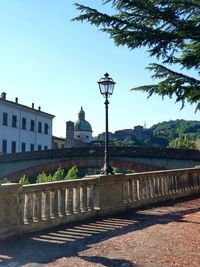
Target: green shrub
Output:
[(43, 178), (59, 175), (72, 173), (182, 141), (24, 180)]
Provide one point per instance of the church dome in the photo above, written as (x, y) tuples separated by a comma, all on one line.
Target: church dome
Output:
[(81, 124)]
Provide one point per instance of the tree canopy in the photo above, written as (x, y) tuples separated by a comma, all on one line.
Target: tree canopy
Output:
[(169, 29), (183, 141), (175, 128)]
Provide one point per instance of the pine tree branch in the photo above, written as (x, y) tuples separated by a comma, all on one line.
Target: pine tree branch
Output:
[(169, 29), (185, 88)]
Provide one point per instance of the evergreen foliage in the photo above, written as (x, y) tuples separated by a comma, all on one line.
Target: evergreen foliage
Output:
[(44, 178), (24, 180), (169, 30), (72, 173), (59, 174)]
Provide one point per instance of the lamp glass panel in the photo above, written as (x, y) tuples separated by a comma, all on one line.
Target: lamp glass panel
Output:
[(106, 87)]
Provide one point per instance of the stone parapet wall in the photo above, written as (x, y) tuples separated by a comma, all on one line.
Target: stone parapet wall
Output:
[(89, 151), (29, 208), (15, 165)]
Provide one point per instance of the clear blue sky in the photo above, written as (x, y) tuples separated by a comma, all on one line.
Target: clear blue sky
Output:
[(55, 63)]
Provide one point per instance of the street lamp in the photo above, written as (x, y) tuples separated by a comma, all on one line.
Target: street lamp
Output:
[(106, 87)]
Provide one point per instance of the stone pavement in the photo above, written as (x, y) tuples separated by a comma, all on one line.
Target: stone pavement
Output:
[(162, 235)]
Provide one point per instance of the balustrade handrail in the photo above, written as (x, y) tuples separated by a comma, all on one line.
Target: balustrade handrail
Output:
[(149, 173), (39, 206), (58, 184)]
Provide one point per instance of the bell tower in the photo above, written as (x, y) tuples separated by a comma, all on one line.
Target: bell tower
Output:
[(69, 134)]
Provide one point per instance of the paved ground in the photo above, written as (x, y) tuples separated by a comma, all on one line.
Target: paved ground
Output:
[(161, 236)]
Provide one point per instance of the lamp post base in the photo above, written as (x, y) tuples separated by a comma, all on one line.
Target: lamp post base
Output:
[(106, 170)]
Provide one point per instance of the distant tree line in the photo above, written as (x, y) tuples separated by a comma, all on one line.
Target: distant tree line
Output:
[(173, 133)]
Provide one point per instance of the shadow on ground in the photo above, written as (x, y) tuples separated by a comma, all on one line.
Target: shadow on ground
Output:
[(68, 241)]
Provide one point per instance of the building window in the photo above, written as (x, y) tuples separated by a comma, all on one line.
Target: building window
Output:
[(14, 121), (5, 118), (23, 147), (32, 125), (13, 146), (31, 147), (39, 127), (24, 123), (39, 147), (45, 147), (78, 136), (46, 128), (4, 146)]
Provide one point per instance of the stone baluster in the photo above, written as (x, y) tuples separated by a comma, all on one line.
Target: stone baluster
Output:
[(130, 190), (147, 185), (154, 186), (125, 191), (76, 200), (83, 198), (138, 186), (197, 180), (28, 208), (90, 200), (54, 203), (142, 188), (150, 182), (169, 185), (146, 181), (165, 184), (184, 181), (159, 186), (46, 205), (37, 206), (134, 189), (175, 183), (61, 202), (162, 185), (194, 180), (179, 186), (69, 201)]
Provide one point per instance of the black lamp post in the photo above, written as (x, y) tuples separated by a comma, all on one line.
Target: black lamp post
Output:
[(106, 87)]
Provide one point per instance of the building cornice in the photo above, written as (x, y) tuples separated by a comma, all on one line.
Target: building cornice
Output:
[(26, 108)]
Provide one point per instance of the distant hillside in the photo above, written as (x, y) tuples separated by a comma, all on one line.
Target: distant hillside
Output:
[(173, 128)]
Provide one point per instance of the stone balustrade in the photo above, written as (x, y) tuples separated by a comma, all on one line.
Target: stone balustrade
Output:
[(34, 207)]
